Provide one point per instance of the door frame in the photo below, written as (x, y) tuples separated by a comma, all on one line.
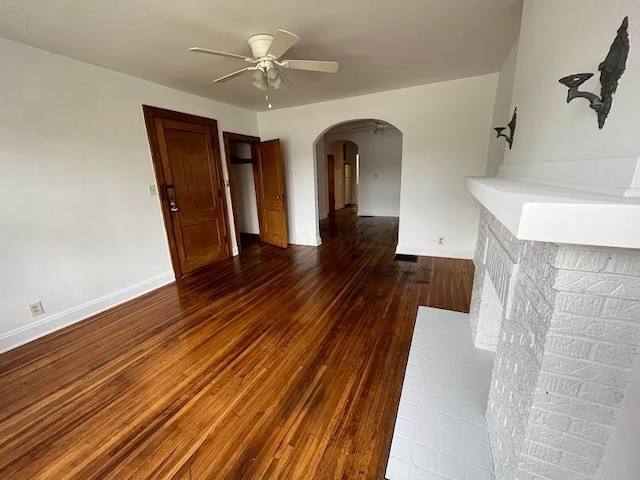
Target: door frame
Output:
[(331, 182), (227, 138), (150, 113)]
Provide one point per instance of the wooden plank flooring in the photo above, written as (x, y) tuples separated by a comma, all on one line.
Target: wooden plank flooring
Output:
[(278, 364)]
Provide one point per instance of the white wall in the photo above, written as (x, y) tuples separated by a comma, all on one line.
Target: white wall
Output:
[(445, 130), (245, 193), (621, 460), (322, 177), (380, 171), (559, 39), (502, 112), (79, 231)]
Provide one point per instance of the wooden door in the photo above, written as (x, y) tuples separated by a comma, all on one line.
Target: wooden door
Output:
[(271, 193), (331, 181), (189, 172)]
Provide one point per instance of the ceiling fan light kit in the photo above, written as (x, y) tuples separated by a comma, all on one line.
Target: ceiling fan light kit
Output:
[(267, 51)]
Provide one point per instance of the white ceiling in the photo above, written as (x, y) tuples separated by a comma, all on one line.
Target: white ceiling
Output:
[(381, 45)]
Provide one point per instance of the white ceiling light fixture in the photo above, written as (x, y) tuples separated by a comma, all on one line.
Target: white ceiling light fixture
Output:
[(259, 80), (266, 69)]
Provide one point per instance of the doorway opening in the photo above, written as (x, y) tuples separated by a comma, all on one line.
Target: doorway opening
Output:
[(342, 175), (257, 187), (241, 155), (358, 170)]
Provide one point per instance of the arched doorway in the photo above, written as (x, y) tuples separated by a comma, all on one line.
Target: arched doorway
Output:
[(358, 167), (339, 180)]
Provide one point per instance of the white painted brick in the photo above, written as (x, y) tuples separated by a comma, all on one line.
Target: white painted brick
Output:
[(620, 355), (576, 258), (586, 305), (486, 312), (596, 328), (577, 408), (522, 475), (625, 262), (510, 244), (621, 309), (542, 251), (531, 293), (585, 370), (542, 452), (548, 471), (476, 298), (566, 343), (479, 258), (556, 384), (564, 442), (537, 266), (500, 268), (571, 346), (609, 285), (587, 466), (603, 394), (590, 431), (553, 420)]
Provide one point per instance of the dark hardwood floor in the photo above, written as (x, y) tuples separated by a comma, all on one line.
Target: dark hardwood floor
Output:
[(277, 364)]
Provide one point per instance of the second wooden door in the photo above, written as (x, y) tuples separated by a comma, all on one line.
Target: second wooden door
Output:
[(271, 193)]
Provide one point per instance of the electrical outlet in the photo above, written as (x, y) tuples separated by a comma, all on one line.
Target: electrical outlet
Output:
[(440, 240), (36, 309)]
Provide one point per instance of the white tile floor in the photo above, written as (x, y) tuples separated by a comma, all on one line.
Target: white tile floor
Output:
[(440, 431)]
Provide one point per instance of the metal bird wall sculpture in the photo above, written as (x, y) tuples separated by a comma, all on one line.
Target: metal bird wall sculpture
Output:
[(512, 129), (611, 70)]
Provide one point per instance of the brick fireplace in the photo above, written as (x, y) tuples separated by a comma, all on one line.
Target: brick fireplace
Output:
[(564, 320)]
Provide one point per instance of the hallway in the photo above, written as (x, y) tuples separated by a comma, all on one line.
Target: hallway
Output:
[(275, 364)]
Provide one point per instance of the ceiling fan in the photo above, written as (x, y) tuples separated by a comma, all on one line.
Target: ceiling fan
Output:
[(266, 64), (377, 127)]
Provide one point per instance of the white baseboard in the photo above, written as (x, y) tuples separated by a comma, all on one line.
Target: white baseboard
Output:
[(424, 251), (305, 241), (50, 324)]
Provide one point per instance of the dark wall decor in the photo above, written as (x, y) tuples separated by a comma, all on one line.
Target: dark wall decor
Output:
[(611, 71), (512, 129)]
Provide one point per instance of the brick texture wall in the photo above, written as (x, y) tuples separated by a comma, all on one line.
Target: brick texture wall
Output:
[(569, 335)]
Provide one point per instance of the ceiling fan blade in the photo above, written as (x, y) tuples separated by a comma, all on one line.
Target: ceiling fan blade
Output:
[(220, 54), (285, 78), (311, 65), (233, 75), (282, 42)]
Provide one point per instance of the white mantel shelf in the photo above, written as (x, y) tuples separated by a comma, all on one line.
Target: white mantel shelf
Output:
[(533, 211)]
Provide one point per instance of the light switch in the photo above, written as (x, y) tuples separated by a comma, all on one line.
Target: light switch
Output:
[(153, 191)]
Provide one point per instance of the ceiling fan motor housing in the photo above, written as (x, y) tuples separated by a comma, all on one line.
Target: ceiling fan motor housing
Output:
[(260, 45)]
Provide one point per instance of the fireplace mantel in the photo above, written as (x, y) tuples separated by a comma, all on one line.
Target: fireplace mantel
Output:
[(547, 213)]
